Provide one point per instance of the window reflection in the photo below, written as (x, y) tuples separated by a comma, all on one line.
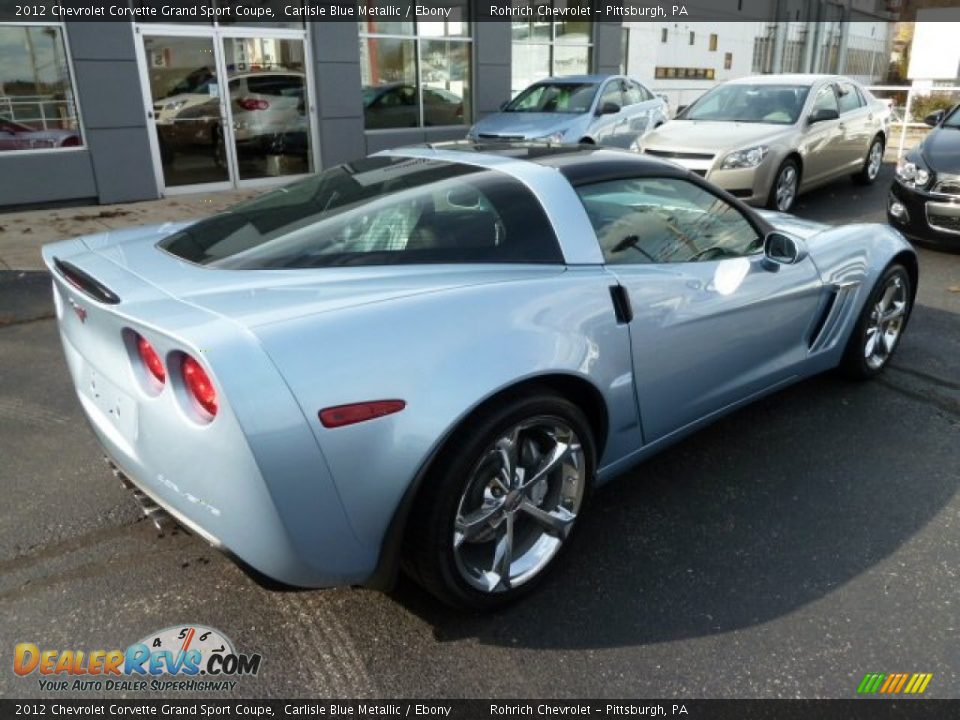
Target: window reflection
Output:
[(37, 106), (416, 74)]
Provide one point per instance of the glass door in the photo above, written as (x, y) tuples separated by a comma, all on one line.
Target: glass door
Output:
[(186, 112), (268, 102), (227, 107)]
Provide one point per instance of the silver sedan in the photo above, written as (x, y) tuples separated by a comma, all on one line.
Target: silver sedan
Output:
[(767, 139)]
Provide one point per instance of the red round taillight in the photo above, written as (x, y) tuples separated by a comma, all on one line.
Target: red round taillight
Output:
[(199, 385), (150, 359)]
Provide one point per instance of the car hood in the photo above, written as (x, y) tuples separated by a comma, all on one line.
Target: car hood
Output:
[(529, 125), (709, 136), (941, 150), (131, 265)]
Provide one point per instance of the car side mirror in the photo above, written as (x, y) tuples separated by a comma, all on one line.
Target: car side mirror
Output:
[(823, 114), (934, 118), (608, 108), (782, 249)]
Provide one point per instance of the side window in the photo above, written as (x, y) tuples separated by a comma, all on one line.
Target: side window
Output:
[(636, 93), (611, 94), (849, 98), (665, 220), (826, 100)]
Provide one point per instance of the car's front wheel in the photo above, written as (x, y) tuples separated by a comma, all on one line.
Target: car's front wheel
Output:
[(786, 186), (880, 325), (500, 504)]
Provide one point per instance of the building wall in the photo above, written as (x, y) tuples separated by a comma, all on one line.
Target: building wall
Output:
[(115, 163)]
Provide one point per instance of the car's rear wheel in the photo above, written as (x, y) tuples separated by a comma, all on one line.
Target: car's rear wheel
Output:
[(872, 163), (786, 186), (880, 325), (501, 502)]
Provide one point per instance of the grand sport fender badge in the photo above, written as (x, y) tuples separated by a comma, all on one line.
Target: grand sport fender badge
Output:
[(78, 309)]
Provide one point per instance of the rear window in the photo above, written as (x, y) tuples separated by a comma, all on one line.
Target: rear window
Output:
[(378, 211), (275, 84)]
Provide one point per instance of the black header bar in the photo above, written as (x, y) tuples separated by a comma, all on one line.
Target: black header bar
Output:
[(253, 12), (854, 709)]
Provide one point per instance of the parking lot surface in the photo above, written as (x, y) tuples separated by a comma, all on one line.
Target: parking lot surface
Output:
[(783, 552)]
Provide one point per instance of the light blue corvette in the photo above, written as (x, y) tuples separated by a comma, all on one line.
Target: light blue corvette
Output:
[(612, 110), (428, 358)]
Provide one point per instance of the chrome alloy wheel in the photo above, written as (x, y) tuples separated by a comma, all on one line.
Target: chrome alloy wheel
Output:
[(885, 323), (519, 504), (786, 188), (874, 160)]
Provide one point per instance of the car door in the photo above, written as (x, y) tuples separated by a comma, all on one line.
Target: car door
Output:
[(856, 121), (605, 127), (642, 111), (823, 143), (712, 322)]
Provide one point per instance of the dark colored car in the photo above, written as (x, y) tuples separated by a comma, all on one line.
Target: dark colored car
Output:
[(924, 202), (396, 105)]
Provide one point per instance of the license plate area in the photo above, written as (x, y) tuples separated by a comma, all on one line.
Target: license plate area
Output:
[(115, 411)]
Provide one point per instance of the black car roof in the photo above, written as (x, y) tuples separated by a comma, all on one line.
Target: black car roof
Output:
[(580, 164)]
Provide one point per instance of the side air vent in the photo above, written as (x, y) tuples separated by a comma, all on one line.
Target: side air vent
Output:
[(817, 330), (84, 283), (836, 309)]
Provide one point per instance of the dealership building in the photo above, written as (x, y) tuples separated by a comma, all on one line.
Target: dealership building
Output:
[(125, 110)]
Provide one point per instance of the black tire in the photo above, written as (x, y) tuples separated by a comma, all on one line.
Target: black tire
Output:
[(869, 173), (855, 363), (429, 556), (219, 147), (787, 166)]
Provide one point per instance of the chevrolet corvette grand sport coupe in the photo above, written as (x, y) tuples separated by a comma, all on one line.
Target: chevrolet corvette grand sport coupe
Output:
[(427, 359)]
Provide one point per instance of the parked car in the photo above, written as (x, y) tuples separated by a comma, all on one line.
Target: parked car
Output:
[(194, 89), (429, 357), (602, 109), (18, 136), (395, 105), (263, 103), (924, 200), (767, 139)]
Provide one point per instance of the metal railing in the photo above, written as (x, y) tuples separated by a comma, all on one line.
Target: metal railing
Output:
[(43, 112), (902, 116)]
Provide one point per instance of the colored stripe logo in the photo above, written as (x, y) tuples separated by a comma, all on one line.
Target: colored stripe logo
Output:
[(894, 683)]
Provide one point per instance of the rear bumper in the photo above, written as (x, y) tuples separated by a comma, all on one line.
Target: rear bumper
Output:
[(163, 515), (252, 481)]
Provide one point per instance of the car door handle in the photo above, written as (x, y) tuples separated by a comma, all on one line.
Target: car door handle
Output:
[(622, 309)]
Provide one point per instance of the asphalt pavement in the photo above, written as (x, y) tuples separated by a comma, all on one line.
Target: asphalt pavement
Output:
[(785, 551)]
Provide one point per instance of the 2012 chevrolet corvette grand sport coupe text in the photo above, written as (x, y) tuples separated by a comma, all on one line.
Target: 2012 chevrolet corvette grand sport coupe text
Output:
[(427, 359)]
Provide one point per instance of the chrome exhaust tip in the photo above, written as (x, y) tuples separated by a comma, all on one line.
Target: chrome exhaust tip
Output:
[(161, 520)]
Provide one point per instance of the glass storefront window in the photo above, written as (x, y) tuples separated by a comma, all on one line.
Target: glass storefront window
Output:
[(416, 74), (38, 110), (545, 48), (251, 13)]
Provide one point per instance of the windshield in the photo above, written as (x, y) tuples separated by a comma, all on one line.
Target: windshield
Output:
[(740, 102), (378, 211), (550, 97), (953, 119)]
